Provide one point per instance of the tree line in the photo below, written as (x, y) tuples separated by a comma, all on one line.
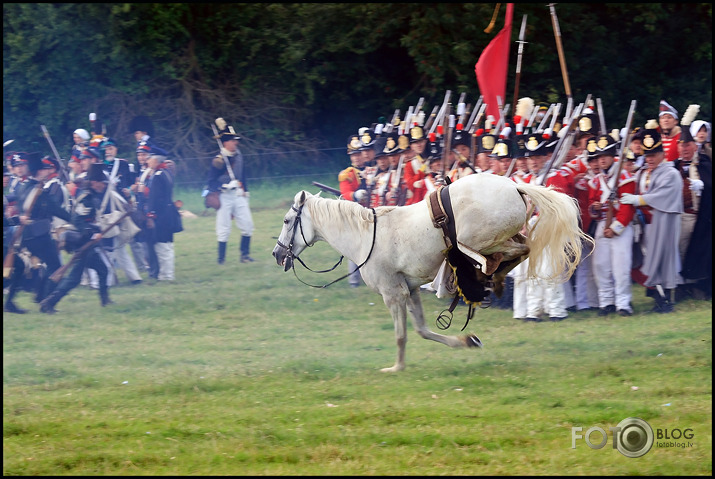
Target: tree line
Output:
[(296, 79)]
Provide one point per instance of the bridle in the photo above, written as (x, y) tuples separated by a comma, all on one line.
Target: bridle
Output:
[(293, 257)]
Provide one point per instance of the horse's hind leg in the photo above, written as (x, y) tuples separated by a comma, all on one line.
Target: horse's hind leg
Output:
[(414, 305)]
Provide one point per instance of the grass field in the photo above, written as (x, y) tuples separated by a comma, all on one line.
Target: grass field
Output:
[(242, 370)]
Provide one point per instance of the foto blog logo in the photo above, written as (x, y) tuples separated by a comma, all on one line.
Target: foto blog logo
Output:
[(632, 437)]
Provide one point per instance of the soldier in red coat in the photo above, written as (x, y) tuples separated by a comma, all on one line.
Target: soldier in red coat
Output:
[(669, 130), (613, 234)]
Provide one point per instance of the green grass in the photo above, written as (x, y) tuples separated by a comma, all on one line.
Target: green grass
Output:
[(243, 370)]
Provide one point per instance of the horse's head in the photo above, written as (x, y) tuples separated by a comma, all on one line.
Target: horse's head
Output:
[(297, 232)]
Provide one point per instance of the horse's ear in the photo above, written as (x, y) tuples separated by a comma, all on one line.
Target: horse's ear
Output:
[(318, 193), (301, 197)]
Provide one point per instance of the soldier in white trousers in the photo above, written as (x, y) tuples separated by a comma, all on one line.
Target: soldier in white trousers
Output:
[(231, 183), (613, 251)]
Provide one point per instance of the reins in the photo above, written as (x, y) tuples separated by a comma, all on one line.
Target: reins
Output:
[(289, 247)]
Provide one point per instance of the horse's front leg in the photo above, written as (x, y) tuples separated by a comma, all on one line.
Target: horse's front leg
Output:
[(397, 304), (414, 305)]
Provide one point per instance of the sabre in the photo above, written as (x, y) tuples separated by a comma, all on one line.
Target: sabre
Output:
[(521, 42), (560, 49), (7, 143)]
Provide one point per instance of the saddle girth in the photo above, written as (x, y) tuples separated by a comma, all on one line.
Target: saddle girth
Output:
[(440, 210)]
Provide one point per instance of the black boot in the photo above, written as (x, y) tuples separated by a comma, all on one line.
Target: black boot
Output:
[(104, 296), (663, 304), (48, 304), (11, 307), (245, 245), (221, 252)]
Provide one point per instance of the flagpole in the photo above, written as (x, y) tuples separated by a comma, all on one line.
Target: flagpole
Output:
[(560, 49)]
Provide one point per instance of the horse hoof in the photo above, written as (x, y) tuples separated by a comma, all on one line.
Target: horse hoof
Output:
[(393, 369), (473, 341)]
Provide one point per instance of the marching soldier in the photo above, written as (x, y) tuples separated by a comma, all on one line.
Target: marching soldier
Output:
[(416, 169), (661, 263), (85, 218), (233, 192), (612, 256), (395, 151), (36, 235), (120, 170), (669, 130), (161, 214), (459, 157), (351, 180), (380, 179)]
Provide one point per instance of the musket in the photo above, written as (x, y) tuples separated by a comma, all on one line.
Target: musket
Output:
[(64, 176), (418, 108), (477, 119), (569, 131), (521, 43), (62, 270), (430, 120), (554, 117), (477, 107), (601, 116), (462, 159), (613, 181), (560, 49), (569, 107), (546, 117), (473, 137), (447, 139), (532, 119), (408, 120), (502, 118), (220, 150), (327, 188), (395, 116), (17, 236), (461, 107), (441, 113)]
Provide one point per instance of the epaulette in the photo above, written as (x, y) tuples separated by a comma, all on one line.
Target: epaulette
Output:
[(344, 175), (217, 162)]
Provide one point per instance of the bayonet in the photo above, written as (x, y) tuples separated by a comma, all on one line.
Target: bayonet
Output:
[(521, 42)]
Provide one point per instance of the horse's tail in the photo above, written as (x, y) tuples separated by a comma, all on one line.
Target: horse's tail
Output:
[(554, 237)]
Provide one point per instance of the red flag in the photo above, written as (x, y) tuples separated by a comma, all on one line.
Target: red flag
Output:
[(492, 65)]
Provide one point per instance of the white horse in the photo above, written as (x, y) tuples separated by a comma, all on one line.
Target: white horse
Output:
[(404, 250)]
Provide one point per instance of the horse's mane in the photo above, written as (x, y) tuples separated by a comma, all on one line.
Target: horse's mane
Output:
[(334, 211)]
